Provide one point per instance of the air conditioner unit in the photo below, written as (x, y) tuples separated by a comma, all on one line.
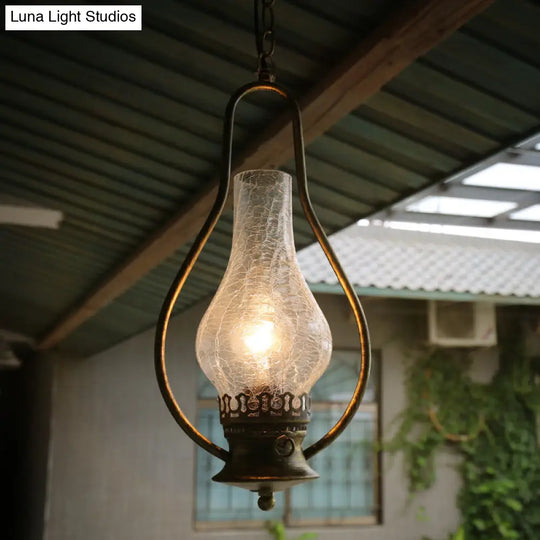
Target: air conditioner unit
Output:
[(462, 324)]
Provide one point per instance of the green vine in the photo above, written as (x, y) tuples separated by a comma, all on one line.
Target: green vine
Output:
[(493, 426), (278, 532)]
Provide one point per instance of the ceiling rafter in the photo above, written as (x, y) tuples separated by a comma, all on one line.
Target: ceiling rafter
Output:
[(396, 43), (464, 221), (518, 153), (520, 196)]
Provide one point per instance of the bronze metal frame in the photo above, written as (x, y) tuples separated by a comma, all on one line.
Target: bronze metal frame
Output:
[(265, 489)]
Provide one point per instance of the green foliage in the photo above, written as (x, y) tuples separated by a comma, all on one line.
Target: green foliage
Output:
[(458, 535), (436, 382), (493, 426), (277, 531)]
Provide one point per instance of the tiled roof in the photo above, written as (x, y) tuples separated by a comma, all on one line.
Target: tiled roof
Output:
[(381, 258)]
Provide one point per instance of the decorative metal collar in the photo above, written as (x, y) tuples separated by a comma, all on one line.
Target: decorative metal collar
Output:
[(265, 405)]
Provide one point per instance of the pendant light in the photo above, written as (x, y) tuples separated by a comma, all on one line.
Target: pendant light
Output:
[(263, 341)]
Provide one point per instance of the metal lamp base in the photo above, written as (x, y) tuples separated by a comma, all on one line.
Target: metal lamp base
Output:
[(265, 435), (265, 459)]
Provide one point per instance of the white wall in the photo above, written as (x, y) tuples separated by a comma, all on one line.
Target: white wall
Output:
[(121, 469)]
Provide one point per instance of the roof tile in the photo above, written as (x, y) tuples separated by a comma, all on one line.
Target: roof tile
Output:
[(390, 259)]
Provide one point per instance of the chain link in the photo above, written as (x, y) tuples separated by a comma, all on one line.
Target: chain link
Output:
[(265, 39)]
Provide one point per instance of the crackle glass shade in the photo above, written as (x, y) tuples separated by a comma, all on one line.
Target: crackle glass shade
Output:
[(263, 331)]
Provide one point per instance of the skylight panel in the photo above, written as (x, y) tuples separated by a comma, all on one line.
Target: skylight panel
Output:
[(531, 213), (507, 176), (457, 206)]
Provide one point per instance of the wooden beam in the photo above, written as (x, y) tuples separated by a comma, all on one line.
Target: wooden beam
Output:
[(397, 42)]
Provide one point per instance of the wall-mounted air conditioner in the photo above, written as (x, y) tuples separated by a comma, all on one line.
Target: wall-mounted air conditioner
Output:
[(462, 324)]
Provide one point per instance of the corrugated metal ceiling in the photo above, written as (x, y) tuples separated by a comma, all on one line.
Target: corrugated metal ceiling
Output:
[(118, 130)]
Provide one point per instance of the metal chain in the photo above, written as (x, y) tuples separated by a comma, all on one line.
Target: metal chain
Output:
[(264, 39)]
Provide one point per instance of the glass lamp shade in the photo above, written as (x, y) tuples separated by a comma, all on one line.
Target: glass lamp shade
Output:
[(263, 331)]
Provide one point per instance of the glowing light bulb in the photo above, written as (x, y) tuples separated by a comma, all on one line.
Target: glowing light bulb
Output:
[(259, 338)]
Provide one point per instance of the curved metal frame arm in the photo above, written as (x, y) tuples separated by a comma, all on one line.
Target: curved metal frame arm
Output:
[(200, 241)]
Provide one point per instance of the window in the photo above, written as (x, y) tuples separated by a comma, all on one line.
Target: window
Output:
[(347, 490)]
